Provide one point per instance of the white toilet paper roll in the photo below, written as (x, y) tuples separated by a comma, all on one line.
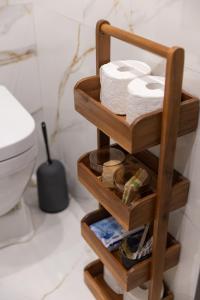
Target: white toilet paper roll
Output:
[(115, 77), (141, 293), (111, 282), (145, 95)]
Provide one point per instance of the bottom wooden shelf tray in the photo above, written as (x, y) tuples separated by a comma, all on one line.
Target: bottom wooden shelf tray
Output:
[(139, 273), (93, 276)]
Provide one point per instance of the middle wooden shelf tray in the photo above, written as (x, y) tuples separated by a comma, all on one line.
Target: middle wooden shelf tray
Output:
[(139, 273), (142, 211)]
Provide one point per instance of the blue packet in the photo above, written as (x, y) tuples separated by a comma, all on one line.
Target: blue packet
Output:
[(110, 232)]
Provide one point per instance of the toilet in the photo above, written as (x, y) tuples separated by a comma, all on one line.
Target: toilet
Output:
[(18, 151)]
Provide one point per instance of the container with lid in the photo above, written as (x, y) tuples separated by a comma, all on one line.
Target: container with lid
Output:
[(105, 157)]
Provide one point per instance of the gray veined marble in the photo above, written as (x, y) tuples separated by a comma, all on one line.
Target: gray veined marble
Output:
[(17, 55), (73, 67), (10, 14), (110, 10)]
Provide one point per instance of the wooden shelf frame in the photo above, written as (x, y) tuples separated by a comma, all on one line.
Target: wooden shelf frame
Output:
[(168, 127)]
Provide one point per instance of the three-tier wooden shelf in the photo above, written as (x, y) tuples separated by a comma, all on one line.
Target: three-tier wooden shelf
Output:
[(178, 117)]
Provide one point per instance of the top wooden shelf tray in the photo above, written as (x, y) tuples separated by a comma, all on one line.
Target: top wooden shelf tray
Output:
[(143, 132)]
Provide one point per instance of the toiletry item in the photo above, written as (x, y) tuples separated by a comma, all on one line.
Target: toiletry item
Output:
[(138, 254), (129, 247), (124, 173), (51, 182), (110, 232), (115, 77), (141, 292), (145, 95), (111, 282), (109, 169), (99, 157), (132, 186)]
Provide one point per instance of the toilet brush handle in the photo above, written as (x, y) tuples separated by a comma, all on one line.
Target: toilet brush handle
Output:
[(44, 131)]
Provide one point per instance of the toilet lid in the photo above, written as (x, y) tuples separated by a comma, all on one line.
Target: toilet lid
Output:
[(17, 127)]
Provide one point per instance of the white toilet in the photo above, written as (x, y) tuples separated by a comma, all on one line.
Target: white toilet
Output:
[(18, 151)]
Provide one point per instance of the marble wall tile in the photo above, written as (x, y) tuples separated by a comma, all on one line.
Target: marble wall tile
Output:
[(171, 23), (70, 9), (90, 11), (18, 54), (64, 58), (183, 278), (66, 54), (117, 12)]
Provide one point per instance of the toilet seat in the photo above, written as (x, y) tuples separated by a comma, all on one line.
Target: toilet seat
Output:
[(17, 163), (17, 127)]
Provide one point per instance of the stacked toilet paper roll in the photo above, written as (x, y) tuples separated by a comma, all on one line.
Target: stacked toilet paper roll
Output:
[(145, 95), (141, 293), (115, 77), (112, 283)]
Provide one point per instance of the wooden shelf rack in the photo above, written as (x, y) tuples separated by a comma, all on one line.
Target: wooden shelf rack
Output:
[(178, 117)]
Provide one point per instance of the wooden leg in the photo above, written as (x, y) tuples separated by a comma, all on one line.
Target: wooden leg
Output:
[(102, 57), (170, 123), (102, 139)]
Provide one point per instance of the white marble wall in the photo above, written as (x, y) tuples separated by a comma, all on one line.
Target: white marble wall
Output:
[(18, 54), (47, 45), (19, 68)]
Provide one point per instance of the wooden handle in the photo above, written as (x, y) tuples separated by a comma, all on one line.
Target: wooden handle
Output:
[(134, 39), (170, 121)]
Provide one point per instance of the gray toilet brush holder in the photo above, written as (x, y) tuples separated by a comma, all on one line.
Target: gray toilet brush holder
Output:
[(51, 181)]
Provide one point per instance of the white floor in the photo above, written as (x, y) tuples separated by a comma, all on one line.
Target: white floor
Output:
[(50, 265)]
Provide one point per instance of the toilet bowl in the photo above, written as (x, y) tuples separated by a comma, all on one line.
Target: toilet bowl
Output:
[(18, 151)]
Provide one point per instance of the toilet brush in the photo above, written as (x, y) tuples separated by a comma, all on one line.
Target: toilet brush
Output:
[(51, 180)]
